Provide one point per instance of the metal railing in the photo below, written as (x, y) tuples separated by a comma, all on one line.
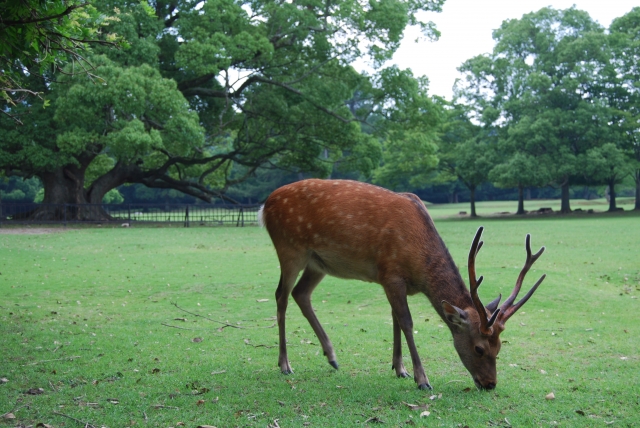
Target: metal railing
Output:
[(130, 214)]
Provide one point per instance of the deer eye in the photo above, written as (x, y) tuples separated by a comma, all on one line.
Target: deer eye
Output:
[(479, 351)]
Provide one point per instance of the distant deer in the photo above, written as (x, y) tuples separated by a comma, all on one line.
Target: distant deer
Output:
[(359, 231)]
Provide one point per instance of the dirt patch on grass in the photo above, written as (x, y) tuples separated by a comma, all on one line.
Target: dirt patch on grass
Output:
[(30, 230)]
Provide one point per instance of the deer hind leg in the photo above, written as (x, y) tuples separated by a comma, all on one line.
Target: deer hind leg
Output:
[(288, 275), (302, 294), (397, 349), (396, 294)]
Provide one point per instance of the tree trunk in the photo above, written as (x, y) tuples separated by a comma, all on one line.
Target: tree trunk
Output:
[(637, 206), (520, 200), (472, 198), (612, 196), (66, 199), (565, 206)]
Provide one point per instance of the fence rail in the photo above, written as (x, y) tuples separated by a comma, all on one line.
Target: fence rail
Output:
[(129, 214)]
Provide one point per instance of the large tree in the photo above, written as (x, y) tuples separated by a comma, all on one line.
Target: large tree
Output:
[(541, 83), (624, 35), (209, 92)]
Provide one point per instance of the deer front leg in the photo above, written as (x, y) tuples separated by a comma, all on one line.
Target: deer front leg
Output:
[(302, 294), (397, 296), (397, 349)]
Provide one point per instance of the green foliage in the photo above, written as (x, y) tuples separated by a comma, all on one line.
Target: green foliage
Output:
[(14, 189), (552, 89), (41, 38), (113, 196)]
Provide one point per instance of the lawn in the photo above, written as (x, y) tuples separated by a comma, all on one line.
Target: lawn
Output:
[(168, 327)]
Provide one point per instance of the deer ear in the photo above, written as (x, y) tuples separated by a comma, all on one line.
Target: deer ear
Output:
[(454, 314)]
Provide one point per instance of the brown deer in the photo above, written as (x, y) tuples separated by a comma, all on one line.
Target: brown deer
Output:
[(359, 231)]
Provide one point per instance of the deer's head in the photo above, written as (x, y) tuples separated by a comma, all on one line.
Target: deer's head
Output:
[(476, 330)]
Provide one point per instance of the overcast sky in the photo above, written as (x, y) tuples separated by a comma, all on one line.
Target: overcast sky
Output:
[(466, 27)]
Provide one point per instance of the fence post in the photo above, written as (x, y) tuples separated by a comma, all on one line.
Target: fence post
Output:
[(186, 217), (129, 214), (65, 214)]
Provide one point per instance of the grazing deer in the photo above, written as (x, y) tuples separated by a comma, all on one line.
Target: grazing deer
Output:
[(359, 231)]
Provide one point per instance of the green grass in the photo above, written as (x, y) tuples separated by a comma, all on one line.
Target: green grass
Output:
[(85, 315)]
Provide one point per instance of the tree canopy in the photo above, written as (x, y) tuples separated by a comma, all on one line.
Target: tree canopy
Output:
[(207, 93)]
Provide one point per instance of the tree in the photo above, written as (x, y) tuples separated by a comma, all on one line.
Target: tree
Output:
[(625, 41), (41, 37), (465, 151), (266, 86), (607, 164), (541, 84), (519, 170)]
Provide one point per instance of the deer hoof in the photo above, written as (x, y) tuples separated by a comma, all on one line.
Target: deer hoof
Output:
[(425, 386), (334, 364), (404, 375)]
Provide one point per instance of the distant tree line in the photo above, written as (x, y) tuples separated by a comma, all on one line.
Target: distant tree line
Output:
[(176, 100)]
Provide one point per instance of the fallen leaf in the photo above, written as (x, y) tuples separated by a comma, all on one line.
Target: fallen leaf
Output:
[(215, 400), (262, 300), (219, 372), (156, 370), (424, 414), (196, 340), (35, 391), (375, 420), (199, 402), (580, 412), (206, 426), (113, 400), (179, 319), (4, 380), (416, 406), (624, 358), (543, 372), (180, 424), (467, 389), (9, 416), (550, 396), (40, 424)]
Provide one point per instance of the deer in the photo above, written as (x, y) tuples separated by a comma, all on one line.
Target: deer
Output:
[(354, 230)]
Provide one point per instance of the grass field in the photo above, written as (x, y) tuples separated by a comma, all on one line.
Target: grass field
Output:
[(99, 327)]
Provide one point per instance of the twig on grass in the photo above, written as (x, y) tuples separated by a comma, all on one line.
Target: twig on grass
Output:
[(48, 361), (86, 424), (202, 316), (173, 326)]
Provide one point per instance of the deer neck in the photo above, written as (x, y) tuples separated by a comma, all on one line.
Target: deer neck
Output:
[(441, 280)]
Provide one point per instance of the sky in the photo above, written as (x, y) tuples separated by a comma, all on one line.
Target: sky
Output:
[(466, 27)]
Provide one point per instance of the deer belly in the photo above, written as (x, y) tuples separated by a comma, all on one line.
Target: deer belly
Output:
[(343, 266)]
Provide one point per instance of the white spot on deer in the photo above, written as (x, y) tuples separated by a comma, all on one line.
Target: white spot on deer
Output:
[(284, 201), (314, 200), (300, 219), (308, 225), (290, 210)]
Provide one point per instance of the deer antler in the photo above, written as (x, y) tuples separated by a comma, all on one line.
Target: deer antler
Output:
[(508, 308), (474, 283)]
